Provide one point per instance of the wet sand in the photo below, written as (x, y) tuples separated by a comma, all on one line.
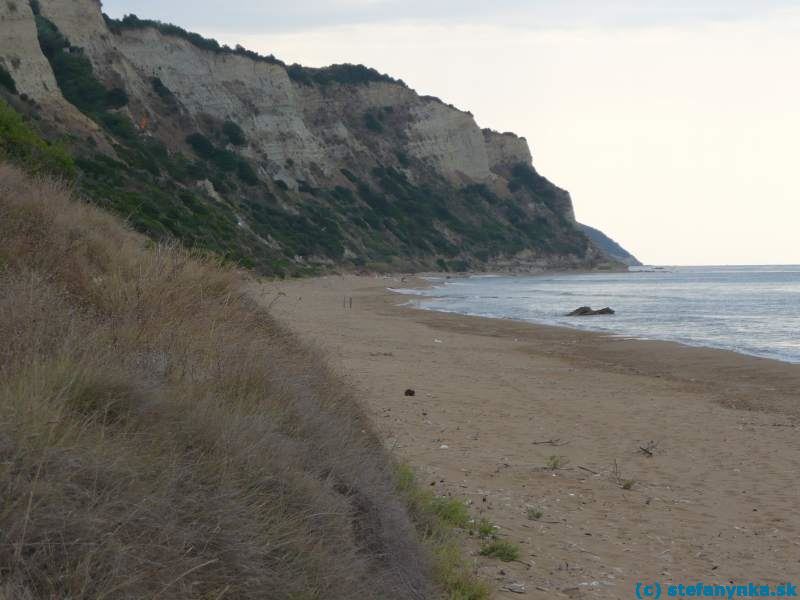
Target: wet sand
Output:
[(718, 500)]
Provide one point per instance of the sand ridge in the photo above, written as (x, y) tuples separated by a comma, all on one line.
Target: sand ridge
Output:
[(495, 400)]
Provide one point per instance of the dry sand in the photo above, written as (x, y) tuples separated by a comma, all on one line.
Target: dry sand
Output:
[(718, 502)]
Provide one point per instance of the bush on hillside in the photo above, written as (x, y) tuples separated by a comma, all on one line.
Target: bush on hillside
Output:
[(116, 98), (164, 93), (234, 133), (75, 76), (203, 147), (20, 144), (160, 89), (224, 160), (346, 74), (372, 123), (7, 81), (246, 173)]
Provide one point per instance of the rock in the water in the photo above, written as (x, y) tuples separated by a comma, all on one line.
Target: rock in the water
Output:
[(410, 392), (587, 311)]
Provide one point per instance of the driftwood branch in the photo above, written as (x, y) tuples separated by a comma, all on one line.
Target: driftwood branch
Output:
[(649, 449), (551, 442)]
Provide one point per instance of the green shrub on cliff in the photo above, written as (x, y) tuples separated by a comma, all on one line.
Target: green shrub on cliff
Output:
[(372, 122), (246, 173), (116, 98), (346, 74), (7, 81), (234, 133), (20, 144), (202, 146), (224, 160), (165, 94), (159, 88), (76, 79)]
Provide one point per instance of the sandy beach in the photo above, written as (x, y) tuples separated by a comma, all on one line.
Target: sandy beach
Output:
[(713, 498)]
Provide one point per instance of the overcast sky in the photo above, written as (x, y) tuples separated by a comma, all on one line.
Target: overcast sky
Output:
[(674, 124)]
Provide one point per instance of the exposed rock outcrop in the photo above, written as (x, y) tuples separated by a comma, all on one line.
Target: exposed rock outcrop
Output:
[(587, 311), (506, 149), (21, 56)]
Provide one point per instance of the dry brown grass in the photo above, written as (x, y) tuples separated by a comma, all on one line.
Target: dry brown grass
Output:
[(161, 437)]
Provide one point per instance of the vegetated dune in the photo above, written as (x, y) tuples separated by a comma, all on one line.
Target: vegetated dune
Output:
[(162, 437)]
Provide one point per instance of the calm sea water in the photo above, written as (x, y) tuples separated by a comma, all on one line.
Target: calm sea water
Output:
[(752, 310)]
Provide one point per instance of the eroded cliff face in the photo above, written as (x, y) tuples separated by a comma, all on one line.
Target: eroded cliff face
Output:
[(20, 54), (449, 139), (22, 57), (506, 149), (258, 96), (372, 151), (283, 120)]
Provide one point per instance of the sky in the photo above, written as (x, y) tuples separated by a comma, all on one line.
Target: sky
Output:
[(674, 124)]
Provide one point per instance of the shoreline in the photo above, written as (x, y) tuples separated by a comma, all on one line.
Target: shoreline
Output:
[(497, 399), (699, 365), (602, 332)]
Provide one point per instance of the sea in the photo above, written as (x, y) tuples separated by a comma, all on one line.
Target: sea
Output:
[(752, 310)]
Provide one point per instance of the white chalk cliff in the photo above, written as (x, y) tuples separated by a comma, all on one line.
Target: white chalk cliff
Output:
[(301, 133)]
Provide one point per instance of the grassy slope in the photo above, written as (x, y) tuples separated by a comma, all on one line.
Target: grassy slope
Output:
[(160, 436)]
